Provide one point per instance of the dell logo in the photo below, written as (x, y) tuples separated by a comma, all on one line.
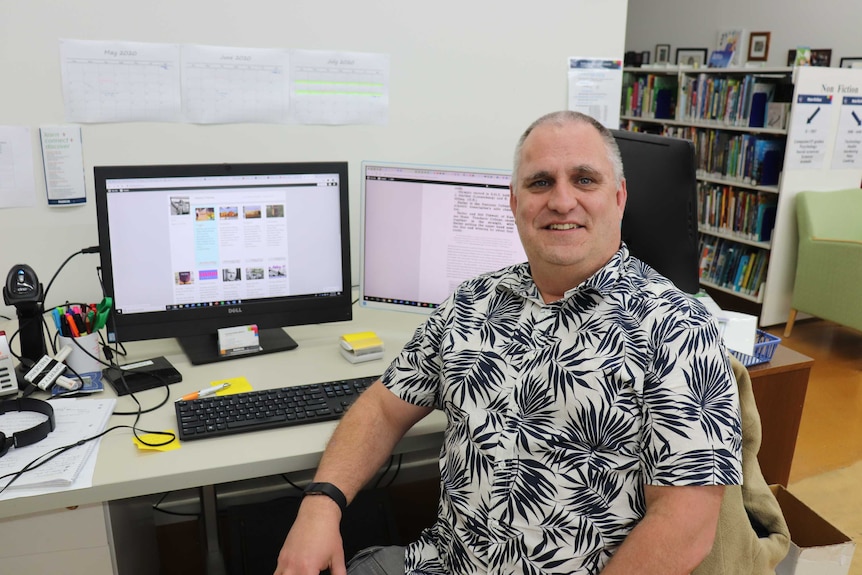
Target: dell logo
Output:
[(234, 310)]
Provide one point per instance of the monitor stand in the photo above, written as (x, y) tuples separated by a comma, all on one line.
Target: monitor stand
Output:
[(204, 348)]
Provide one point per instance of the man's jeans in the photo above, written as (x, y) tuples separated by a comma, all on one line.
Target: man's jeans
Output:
[(377, 561)]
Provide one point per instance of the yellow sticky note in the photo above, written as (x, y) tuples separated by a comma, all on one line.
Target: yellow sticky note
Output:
[(361, 340), (157, 439), (237, 385), (358, 336)]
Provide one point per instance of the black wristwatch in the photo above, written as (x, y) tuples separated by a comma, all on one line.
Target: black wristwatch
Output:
[(328, 489)]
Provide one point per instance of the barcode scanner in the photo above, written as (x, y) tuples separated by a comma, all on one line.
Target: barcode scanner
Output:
[(24, 291)]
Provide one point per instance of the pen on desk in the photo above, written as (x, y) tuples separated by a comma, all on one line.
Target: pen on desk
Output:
[(204, 392)]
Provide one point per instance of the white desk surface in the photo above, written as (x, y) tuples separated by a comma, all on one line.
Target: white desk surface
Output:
[(124, 471)]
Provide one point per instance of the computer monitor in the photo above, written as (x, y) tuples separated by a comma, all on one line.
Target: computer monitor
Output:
[(189, 249), (425, 229), (660, 221)]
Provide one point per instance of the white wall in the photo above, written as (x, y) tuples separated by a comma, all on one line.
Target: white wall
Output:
[(466, 79), (695, 24)]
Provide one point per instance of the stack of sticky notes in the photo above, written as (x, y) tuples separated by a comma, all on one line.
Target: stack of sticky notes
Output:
[(361, 346)]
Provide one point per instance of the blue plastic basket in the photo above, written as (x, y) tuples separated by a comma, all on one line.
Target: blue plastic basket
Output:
[(764, 347)]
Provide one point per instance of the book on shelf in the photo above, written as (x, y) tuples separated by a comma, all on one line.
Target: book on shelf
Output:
[(767, 161), (733, 41), (740, 271), (765, 222), (758, 275), (720, 58), (752, 260), (651, 96), (776, 115), (732, 266), (762, 92), (706, 254)]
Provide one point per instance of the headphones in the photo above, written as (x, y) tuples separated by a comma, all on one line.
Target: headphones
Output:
[(26, 436)]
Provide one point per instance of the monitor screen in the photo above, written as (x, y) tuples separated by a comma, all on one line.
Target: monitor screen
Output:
[(660, 221), (425, 229), (189, 249)]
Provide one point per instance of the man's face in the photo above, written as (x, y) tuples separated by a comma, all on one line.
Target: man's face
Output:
[(567, 206)]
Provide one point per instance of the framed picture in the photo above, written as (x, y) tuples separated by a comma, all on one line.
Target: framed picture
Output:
[(758, 46), (662, 53), (732, 41), (694, 57), (799, 56), (821, 58), (851, 62), (645, 57)]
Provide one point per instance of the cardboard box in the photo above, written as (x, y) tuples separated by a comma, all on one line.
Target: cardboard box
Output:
[(817, 547)]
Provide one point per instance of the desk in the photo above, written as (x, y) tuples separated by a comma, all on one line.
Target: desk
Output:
[(123, 472), (779, 390)]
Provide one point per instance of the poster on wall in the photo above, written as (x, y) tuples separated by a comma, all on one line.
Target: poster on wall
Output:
[(17, 183), (63, 161), (120, 81), (595, 85), (848, 139), (806, 141)]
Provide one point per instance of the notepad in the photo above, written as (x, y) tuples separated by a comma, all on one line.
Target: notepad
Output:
[(76, 419), (361, 346)]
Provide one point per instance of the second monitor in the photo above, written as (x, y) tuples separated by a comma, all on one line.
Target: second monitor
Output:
[(425, 229)]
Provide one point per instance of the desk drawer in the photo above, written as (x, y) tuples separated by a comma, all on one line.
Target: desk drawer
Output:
[(69, 541), (59, 530)]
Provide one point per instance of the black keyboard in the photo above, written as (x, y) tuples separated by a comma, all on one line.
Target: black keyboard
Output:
[(219, 415)]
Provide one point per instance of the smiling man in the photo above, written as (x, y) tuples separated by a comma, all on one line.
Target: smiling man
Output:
[(568, 196), (592, 412)]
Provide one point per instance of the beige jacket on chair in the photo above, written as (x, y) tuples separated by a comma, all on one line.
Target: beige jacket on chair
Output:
[(740, 548)]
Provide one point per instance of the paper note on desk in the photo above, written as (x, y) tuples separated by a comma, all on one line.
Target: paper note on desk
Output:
[(237, 385), (75, 419)]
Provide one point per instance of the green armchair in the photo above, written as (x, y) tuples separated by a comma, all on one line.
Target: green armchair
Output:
[(829, 264)]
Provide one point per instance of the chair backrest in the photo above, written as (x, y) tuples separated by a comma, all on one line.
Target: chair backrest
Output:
[(830, 214), (740, 547)]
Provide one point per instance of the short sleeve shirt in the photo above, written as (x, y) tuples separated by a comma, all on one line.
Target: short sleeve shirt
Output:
[(559, 413)]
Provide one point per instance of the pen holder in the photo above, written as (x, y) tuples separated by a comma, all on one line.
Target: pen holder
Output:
[(79, 360)]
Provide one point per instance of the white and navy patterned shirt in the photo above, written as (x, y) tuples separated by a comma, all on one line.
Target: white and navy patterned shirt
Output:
[(559, 413)]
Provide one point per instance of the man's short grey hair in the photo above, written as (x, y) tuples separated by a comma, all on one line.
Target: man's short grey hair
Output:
[(564, 117)]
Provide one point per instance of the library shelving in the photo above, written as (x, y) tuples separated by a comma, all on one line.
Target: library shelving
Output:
[(761, 135), (736, 118)]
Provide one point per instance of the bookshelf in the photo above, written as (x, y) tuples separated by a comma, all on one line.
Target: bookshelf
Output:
[(739, 120)]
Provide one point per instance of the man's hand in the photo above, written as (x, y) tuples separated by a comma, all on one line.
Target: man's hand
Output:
[(314, 542)]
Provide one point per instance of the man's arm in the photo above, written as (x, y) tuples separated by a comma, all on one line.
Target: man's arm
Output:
[(675, 535), (361, 443)]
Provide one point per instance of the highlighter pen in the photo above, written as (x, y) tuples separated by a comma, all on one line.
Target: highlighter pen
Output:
[(73, 329), (204, 392)]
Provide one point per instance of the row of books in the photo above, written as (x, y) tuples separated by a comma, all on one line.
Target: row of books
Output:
[(746, 214), (733, 266), (750, 158), (650, 96), (732, 100)]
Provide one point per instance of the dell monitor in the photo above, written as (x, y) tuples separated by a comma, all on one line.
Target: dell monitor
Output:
[(189, 249), (660, 220), (425, 229)]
